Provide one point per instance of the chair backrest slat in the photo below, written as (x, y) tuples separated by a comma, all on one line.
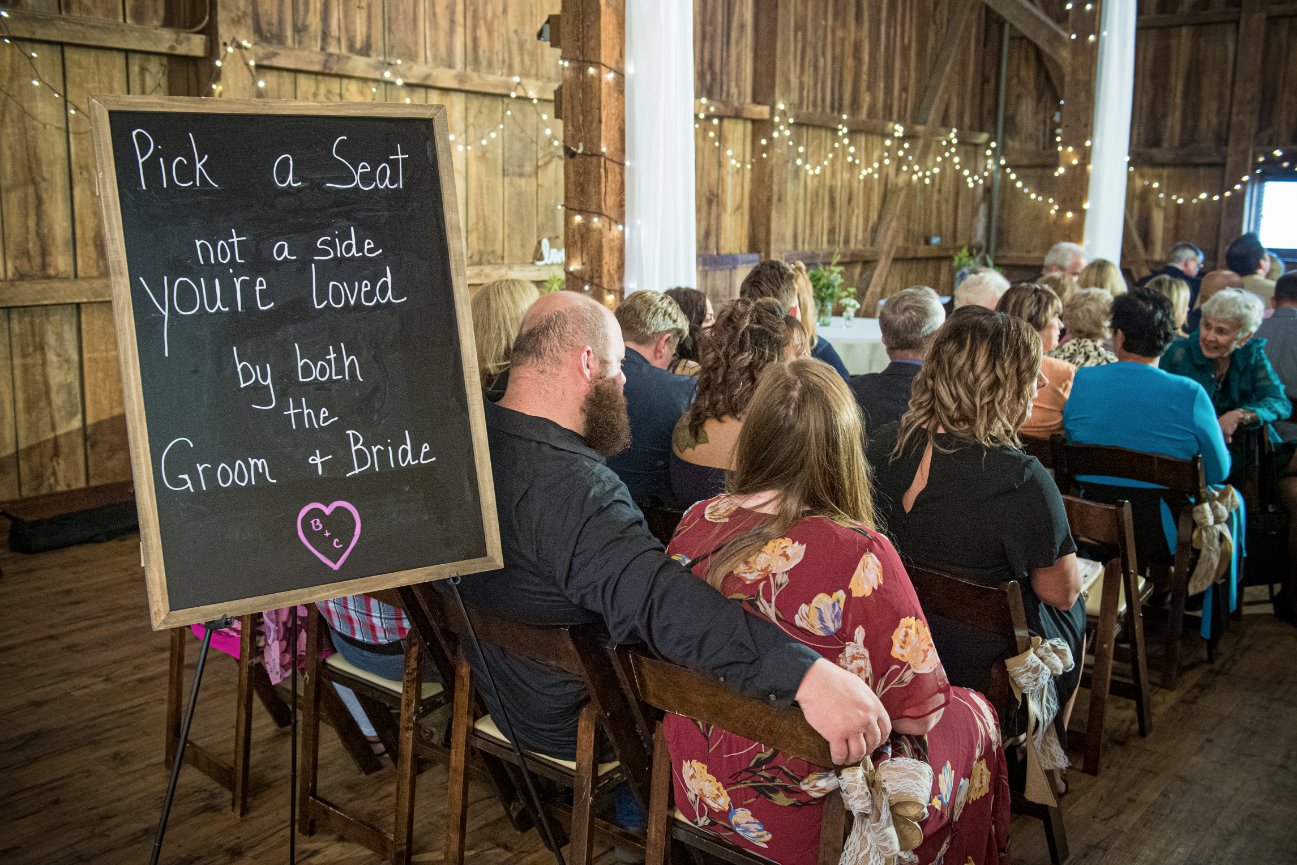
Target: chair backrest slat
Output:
[(1109, 525), (670, 688), (1186, 477)]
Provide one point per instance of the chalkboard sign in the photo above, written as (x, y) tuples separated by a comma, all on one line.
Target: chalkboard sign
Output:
[(297, 356)]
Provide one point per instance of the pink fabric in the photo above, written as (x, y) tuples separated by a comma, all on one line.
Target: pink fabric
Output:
[(272, 638)]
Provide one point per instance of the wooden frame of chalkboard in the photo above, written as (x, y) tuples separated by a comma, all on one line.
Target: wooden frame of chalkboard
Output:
[(236, 552)]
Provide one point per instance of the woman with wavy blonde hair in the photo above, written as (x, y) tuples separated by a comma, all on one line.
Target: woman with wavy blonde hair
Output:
[(956, 493), (749, 335), (1040, 308), (793, 539)]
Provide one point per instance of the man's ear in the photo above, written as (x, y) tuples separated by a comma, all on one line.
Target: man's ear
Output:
[(663, 349), (589, 364)]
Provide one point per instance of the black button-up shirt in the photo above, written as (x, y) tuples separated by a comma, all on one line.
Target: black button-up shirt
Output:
[(576, 549)]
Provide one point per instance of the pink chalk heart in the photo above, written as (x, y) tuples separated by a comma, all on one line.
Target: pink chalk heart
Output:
[(331, 536)]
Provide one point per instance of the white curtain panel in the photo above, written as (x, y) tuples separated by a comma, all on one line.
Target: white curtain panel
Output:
[(661, 238), (1110, 137)]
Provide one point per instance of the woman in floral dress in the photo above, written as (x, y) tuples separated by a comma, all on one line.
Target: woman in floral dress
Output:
[(794, 541)]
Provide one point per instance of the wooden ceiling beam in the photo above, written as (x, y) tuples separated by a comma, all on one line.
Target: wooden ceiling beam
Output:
[(887, 231), (1245, 106), (1041, 30)]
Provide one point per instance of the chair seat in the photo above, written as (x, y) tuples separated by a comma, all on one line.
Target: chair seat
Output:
[(342, 665), (1092, 586), (486, 726)]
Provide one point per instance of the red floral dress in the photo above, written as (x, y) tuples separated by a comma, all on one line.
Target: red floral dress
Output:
[(843, 591)]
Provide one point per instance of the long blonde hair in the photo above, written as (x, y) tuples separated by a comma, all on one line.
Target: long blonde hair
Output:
[(498, 308), (802, 438), (977, 382)]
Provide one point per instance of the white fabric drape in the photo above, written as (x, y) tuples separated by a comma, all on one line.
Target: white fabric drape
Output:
[(661, 236), (1110, 136)]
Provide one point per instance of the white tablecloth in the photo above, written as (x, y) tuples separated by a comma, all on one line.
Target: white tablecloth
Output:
[(859, 344)]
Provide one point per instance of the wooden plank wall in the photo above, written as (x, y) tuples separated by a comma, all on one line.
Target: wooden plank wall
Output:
[(1184, 88), (862, 63), (61, 422)]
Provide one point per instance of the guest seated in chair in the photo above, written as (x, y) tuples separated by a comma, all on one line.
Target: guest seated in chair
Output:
[(795, 539), (1085, 316), (1041, 308), (1133, 404), (498, 308), (748, 336), (1230, 365), (576, 549), (652, 324), (697, 307), (370, 635), (955, 492), (908, 321)]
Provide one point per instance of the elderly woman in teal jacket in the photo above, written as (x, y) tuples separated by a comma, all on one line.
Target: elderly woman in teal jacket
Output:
[(1231, 366)]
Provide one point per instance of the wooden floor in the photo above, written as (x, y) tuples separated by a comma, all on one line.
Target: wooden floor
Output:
[(81, 778)]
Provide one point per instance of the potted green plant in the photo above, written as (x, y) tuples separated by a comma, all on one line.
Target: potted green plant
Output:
[(826, 287), (553, 282), (967, 261)]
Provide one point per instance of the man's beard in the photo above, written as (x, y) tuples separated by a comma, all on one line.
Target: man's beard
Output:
[(607, 426)]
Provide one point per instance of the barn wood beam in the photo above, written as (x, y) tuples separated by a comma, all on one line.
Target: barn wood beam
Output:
[(1040, 30), (1076, 119), (772, 81), (93, 33), (594, 132), (356, 66), (887, 230), (829, 120), (1135, 249), (1219, 16), (1245, 104)]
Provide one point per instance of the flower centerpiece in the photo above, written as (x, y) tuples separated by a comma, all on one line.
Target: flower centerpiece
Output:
[(826, 287), (849, 307)]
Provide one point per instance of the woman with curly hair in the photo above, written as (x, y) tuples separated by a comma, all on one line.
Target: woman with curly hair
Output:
[(698, 309), (956, 492), (794, 540), (749, 335)]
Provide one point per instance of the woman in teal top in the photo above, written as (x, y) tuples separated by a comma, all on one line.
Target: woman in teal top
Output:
[(1134, 405), (1231, 366)]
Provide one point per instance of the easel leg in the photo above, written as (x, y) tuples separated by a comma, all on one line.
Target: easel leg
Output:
[(292, 737), (184, 738)]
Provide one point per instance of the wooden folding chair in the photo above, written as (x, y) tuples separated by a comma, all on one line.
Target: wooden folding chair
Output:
[(663, 687), (577, 650), (413, 700), (1184, 481), (1113, 612), (234, 775), (996, 611), (1041, 449)]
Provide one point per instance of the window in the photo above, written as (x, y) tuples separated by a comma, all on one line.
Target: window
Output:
[(1276, 215)]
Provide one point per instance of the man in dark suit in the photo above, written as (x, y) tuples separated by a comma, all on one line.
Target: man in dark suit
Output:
[(1184, 261), (908, 321), (652, 326)]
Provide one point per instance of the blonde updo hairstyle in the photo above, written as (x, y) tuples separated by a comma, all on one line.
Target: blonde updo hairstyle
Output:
[(977, 383)]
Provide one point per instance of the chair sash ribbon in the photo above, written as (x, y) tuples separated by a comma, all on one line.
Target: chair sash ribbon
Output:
[(887, 804), (1212, 538), (1032, 674)]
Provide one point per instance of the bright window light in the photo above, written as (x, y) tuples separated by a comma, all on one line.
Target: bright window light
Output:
[(1279, 215)]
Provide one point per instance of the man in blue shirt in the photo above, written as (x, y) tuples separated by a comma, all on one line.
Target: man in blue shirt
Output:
[(652, 325)]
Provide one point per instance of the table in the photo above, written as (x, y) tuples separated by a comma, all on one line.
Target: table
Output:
[(859, 343)]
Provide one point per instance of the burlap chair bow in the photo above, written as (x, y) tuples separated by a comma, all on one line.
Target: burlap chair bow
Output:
[(887, 804), (1212, 537), (1032, 675)]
